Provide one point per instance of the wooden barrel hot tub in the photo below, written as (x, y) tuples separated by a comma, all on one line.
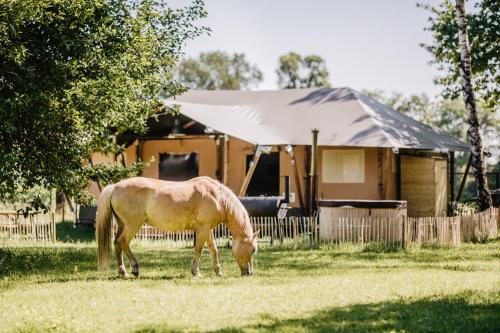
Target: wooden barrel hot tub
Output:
[(361, 220)]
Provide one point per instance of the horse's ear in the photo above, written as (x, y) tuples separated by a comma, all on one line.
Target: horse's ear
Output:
[(255, 234)]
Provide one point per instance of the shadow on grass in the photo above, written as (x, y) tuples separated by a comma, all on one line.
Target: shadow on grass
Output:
[(67, 233), (465, 312)]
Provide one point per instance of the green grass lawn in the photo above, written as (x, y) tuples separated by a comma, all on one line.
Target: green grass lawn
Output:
[(344, 289)]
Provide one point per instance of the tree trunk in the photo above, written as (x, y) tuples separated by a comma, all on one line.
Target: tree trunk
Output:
[(60, 202), (478, 165)]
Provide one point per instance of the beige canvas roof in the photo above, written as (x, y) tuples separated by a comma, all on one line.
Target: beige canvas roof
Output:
[(343, 116)]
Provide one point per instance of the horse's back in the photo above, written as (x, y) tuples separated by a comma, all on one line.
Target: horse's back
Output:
[(168, 205)]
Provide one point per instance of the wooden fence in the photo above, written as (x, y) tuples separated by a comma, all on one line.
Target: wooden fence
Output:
[(397, 230), (407, 231), (35, 227), (361, 230), (273, 231)]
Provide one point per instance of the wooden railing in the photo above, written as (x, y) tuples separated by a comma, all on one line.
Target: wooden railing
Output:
[(37, 227)]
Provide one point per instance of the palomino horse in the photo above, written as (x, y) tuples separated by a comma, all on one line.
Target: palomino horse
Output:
[(199, 204)]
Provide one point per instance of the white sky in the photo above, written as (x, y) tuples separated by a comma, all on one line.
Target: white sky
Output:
[(367, 44)]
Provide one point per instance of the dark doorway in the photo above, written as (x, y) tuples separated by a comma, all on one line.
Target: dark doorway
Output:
[(266, 178), (174, 166)]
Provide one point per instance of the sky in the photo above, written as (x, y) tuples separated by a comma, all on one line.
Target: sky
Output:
[(367, 44)]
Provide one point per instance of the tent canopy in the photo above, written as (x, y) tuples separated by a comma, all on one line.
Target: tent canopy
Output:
[(343, 116)]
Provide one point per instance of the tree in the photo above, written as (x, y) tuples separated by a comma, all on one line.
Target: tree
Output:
[(218, 70), (73, 73), (296, 71), (449, 116), (484, 37), (478, 165), (288, 71), (316, 72), (479, 30)]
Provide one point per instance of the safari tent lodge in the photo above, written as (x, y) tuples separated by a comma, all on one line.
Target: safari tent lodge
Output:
[(367, 155)]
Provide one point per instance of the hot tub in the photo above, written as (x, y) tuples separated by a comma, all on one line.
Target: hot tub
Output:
[(364, 220)]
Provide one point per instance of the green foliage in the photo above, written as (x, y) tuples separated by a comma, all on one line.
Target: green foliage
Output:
[(484, 37), (344, 289), (316, 72), (464, 208), (37, 197), (218, 70), (75, 72), (296, 71), (112, 174), (288, 72)]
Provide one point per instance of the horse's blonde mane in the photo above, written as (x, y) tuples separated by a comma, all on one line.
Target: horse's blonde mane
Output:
[(235, 211)]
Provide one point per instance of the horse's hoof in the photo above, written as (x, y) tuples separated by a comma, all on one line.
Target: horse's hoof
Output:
[(123, 275), (218, 273), (136, 274)]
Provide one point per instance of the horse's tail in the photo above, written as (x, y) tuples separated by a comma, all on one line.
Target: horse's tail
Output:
[(103, 227)]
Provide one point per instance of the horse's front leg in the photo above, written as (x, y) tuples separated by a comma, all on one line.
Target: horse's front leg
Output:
[(212, 246), (201, 238)]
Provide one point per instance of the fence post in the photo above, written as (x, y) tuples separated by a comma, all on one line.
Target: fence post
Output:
[(33, 228), (53, 224), (282, 229), (294, 231), (403, 232)]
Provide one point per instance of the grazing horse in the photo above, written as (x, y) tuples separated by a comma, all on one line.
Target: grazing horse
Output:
[(199, 204)]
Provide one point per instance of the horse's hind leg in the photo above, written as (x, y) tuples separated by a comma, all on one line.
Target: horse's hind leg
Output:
[(201, 237), (118, 248), (124, 241), (212, 246)]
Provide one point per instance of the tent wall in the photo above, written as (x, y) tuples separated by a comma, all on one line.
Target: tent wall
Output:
[(379, 177), (380, 174), (379, 171)]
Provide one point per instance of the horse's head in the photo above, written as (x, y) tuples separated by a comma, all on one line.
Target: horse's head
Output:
[(243, 250)]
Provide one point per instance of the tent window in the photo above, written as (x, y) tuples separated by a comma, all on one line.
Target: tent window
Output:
[(343, 166), (174, 166)]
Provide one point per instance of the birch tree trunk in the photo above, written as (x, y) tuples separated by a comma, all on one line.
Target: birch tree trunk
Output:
[(478, 165)]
